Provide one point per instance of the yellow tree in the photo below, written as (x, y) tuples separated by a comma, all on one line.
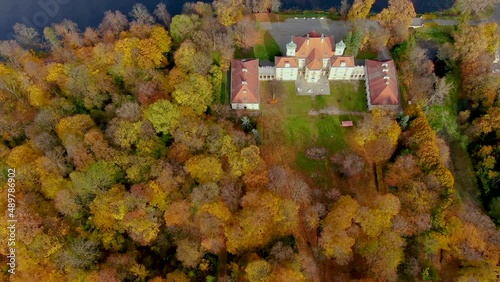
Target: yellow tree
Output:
[(334, 240), (194, 92), (229, 12), (377, 136), (360, 10), (204, 169), (259, 271), (397, 18)]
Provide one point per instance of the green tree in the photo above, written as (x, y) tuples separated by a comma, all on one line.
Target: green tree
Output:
[(194, 92), (163, 115)]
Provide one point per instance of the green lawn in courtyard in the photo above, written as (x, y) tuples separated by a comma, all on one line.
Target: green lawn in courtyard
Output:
[(265, 51), (344, 95), (297, 130)]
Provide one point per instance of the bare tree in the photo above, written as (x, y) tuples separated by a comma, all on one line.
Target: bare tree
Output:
[(344, 9), (275, 6), (113, 22), (26, 36), (162, 14), (141, 15), (441, 91)]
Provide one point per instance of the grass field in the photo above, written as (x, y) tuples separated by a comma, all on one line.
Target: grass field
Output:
[(265, 51), (288, 126), (344, 95), (439, 34)]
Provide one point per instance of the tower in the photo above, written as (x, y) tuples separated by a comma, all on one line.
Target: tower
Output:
[(290, 48), (340, 48)]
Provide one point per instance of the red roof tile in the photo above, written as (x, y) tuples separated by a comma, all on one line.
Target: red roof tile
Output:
[(323, 47), (382, 82), (245, 81), (347, 60), (282, 61)]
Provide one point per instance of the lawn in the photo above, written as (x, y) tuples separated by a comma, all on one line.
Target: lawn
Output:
[(344, 95), (366, 54), (265, 51), (288, 129), (439, 34)]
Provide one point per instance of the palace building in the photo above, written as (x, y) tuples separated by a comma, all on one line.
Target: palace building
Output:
[(309, 59)]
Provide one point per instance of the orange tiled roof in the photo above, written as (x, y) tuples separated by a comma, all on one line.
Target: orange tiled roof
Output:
[(338, 60), (245, 81), (323, 47), (383, 85), (281, 61)]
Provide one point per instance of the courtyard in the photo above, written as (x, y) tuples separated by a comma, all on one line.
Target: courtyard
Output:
[(304, 88), (287, 124)]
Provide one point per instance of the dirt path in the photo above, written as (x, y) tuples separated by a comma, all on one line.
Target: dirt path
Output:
[(332, 110)]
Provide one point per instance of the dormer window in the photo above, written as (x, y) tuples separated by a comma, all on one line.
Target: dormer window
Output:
[(287, 64), (342, 63), (245, 69), (243, 82)]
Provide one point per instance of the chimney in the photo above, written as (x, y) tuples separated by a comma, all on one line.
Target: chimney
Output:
[(308, 38), (386, 78)]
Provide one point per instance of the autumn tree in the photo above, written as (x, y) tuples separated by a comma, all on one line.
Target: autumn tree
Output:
[(113, 24), (162, 14), (258, 271), (377, 136), (194, 92), (163, 115), (141, 15), (337, 244), (229, 12), (26, 36), (397, 19), (204, 168), (183, 26), (360, 10), (246, 34)]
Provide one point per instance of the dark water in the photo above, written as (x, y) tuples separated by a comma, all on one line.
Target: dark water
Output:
[(40, 13)]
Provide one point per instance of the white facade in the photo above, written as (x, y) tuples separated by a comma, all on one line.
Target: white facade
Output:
[(267, 73), (312, 76), (287, 73), (347, 73), (242, 106)]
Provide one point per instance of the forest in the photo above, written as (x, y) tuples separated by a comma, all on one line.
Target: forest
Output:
[(122, 160)]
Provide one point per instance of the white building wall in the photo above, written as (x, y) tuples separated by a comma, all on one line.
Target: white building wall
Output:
[(241, 106), (287, 73), (358, 73), (312, 75), (302, 63), (340, 73), (326, 62)]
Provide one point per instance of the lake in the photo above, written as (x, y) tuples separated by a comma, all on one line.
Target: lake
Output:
[(40, 13)]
